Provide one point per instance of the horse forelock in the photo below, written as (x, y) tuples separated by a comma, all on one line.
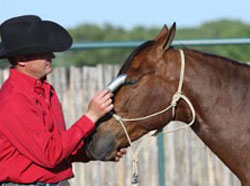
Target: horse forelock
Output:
[(129, 60)]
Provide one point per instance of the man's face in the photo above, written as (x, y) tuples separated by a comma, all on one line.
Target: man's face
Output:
[(39, 65)]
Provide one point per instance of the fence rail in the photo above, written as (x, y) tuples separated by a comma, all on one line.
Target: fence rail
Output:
[(131, 44), (188, 162)]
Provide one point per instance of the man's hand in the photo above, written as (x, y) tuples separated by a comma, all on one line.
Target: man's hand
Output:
[(99, 105), (120, 154)]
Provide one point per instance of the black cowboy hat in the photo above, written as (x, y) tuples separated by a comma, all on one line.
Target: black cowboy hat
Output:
[(25, 35)]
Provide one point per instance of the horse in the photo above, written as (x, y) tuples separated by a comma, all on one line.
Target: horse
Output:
[(215, 85)]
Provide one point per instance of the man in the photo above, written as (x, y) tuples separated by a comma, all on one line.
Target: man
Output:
[(35, 147)]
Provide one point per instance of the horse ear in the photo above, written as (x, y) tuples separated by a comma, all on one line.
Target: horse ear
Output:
[(162, 34), (170, 37)]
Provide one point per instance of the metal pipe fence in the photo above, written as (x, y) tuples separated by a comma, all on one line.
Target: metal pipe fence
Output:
[(177, 43)]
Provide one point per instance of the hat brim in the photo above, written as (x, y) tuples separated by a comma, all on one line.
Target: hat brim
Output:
[(59, 40)]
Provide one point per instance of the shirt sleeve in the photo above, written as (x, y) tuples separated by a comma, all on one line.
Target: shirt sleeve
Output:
[(80, 156), (22, 125)]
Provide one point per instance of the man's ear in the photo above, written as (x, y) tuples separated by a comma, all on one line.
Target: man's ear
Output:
[(20, 60), (21, 64)]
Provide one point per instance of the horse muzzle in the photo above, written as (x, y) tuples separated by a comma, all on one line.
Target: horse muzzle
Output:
[(101, 147)]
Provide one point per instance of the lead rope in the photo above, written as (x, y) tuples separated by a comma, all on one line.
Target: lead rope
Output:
[(175, 99)]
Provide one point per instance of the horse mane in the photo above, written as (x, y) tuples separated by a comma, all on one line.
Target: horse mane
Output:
[(128, 61), (220, 58)]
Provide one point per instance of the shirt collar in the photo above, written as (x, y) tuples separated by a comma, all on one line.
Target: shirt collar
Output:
[(25, 82)]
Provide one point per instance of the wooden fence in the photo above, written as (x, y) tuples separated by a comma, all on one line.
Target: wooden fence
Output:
[(188, 162)]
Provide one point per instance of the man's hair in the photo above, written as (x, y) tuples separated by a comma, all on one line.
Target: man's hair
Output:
[(12, 61)]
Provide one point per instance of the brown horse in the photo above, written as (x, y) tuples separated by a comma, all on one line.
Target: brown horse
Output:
[(216, 86)]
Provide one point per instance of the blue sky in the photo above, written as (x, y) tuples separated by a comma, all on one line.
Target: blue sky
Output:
[(128, 13)]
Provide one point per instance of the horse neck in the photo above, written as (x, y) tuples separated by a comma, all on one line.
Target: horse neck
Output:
[(218, 89)]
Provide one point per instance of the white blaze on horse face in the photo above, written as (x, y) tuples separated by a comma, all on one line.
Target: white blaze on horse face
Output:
[(118, 81)]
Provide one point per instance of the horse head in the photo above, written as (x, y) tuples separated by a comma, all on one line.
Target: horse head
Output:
[(152, 78)]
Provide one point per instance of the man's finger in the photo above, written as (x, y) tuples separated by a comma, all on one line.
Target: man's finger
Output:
[(102, 93)]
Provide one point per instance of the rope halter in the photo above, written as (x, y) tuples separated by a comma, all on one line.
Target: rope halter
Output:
[(175, 99)]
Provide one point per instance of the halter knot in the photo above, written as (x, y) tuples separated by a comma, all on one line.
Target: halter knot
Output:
[(176, 97), (117, 117), (134, 159)]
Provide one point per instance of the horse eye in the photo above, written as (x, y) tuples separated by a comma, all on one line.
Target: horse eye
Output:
[(131, 82)]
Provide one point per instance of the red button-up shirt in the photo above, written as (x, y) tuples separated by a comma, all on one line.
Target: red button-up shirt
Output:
[(34, 144)]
